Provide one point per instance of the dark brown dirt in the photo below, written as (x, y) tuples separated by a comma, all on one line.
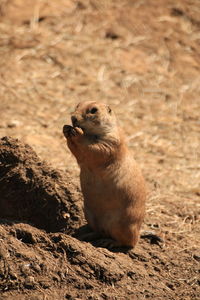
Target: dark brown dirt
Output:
[(143, 59), (34, 193)]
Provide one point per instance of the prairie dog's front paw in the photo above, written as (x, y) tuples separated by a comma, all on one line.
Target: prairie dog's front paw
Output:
[(70, 131)]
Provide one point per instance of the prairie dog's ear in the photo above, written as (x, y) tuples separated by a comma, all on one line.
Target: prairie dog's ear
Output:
[(109, 109)]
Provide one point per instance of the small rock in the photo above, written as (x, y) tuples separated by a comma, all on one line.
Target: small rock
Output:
[(30, 282), (13, 124), (45, 284), (196, 257)]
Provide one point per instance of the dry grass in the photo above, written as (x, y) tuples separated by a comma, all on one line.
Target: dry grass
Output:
[(143, 60)]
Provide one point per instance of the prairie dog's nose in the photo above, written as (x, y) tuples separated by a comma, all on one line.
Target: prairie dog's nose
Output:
[(74, 121)]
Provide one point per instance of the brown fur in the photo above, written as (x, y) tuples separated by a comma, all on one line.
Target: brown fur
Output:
[(112, 184)]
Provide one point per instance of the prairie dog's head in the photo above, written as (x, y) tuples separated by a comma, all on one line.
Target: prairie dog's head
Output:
[(94, 118)]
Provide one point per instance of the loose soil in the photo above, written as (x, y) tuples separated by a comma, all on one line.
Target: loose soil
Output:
[(142, 58)]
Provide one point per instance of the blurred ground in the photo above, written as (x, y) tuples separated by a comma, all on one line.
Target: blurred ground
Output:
[(143, 58)]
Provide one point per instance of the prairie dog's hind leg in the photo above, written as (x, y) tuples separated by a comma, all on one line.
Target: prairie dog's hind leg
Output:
[(111, 245), (90, 236)]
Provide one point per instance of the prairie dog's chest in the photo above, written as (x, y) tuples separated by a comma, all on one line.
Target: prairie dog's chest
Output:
[(93, 184), (100, 194), (102, 185)]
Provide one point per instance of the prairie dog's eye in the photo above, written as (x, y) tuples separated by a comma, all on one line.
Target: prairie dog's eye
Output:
[(93, 110)]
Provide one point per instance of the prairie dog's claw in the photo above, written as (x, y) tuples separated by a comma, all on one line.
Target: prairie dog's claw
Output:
[(70, 131)]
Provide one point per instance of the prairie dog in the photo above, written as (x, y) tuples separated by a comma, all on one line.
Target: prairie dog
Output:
[(112, 184)]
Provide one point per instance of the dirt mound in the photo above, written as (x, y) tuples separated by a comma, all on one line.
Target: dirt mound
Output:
[(34, 193), (56, 259)]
